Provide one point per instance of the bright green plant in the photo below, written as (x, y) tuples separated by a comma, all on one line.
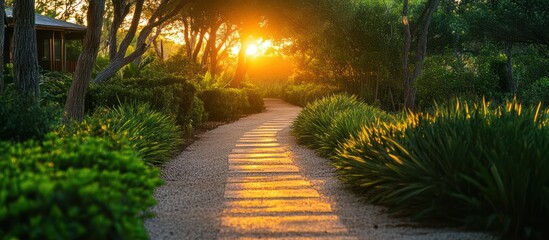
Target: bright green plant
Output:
[(316, 118), (153, 135), (74, 188)]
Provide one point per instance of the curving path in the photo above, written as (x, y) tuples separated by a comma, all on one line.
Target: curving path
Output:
[(250, 180)]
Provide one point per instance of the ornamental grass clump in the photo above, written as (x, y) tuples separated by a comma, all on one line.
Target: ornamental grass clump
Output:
[(316, 118), (347, 124), (475, 165), (154, 135)]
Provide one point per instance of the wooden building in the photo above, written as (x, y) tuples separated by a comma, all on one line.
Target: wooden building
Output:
[(52, 36)]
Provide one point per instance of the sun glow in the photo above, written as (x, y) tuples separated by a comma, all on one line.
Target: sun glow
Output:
[(256, 48), (252, 50)]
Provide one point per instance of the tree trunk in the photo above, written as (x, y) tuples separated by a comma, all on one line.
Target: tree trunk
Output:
[(2, 36), (25, 59), (510, 78), (421, 51), (406, 56), (74, 106), (241, 65), (166, 10)]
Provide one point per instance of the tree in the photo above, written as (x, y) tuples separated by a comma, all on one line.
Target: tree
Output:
[(420, 33), (25, 59), (509, 23), (74, 105), (2, 36), (118, 51)]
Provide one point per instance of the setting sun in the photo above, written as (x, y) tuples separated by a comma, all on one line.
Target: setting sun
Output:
[(252, 50), (255, 48)]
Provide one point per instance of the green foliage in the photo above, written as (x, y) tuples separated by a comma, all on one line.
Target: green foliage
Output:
[(55, 86), (170, 95), (316, 118), (466, 164), (74, 188), (225, 104), (347, 124), (154, 135), (22, 119), (255, 101), (303, 94), (538, 91)]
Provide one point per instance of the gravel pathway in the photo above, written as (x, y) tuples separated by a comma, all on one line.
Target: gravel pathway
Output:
[(250, 180)]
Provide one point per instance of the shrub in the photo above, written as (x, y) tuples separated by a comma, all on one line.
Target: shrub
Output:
[(538, 91), (347, 124), (153, 135), (224, 104), (316, 118), (74, 188), (255, 101), (302, 94), (474, 165), (198, 114), (55, 86), (22, 120), (170, 95)]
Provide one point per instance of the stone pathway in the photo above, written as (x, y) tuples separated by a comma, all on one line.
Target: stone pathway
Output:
[(266, 196), (250, 180)]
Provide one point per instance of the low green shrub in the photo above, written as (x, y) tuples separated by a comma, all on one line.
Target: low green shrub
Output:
[(302, 94), (255, 101), (466, 164), (316, 118), (22, 120), (154, 135), (74, 188), (347, 124), (170, 95), (225, 104)]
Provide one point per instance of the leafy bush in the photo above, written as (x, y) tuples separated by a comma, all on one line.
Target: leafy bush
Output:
[(153, 135), (224, 104), (255, 101), (474, 165), (170, 95), (316, 118), (302, 94), (55, 86), (74, 188), (538, 91), (22, 120), (347, 124), (198, 114)]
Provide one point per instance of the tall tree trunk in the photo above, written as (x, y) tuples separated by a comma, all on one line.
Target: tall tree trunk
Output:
[(410, 77), (25, 59), (74, 106), (406, 54), (2, 39), (510, 78), (241, 65)]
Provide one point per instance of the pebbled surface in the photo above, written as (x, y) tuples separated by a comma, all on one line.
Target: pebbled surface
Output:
[(250, 180)]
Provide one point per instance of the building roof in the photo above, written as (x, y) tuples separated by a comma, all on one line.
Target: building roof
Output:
[(43, 22)]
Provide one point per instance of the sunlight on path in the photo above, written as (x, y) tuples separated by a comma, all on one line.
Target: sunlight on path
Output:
[(267, 197)]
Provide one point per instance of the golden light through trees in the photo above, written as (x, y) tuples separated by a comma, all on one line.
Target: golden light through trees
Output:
[(259, 47)]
